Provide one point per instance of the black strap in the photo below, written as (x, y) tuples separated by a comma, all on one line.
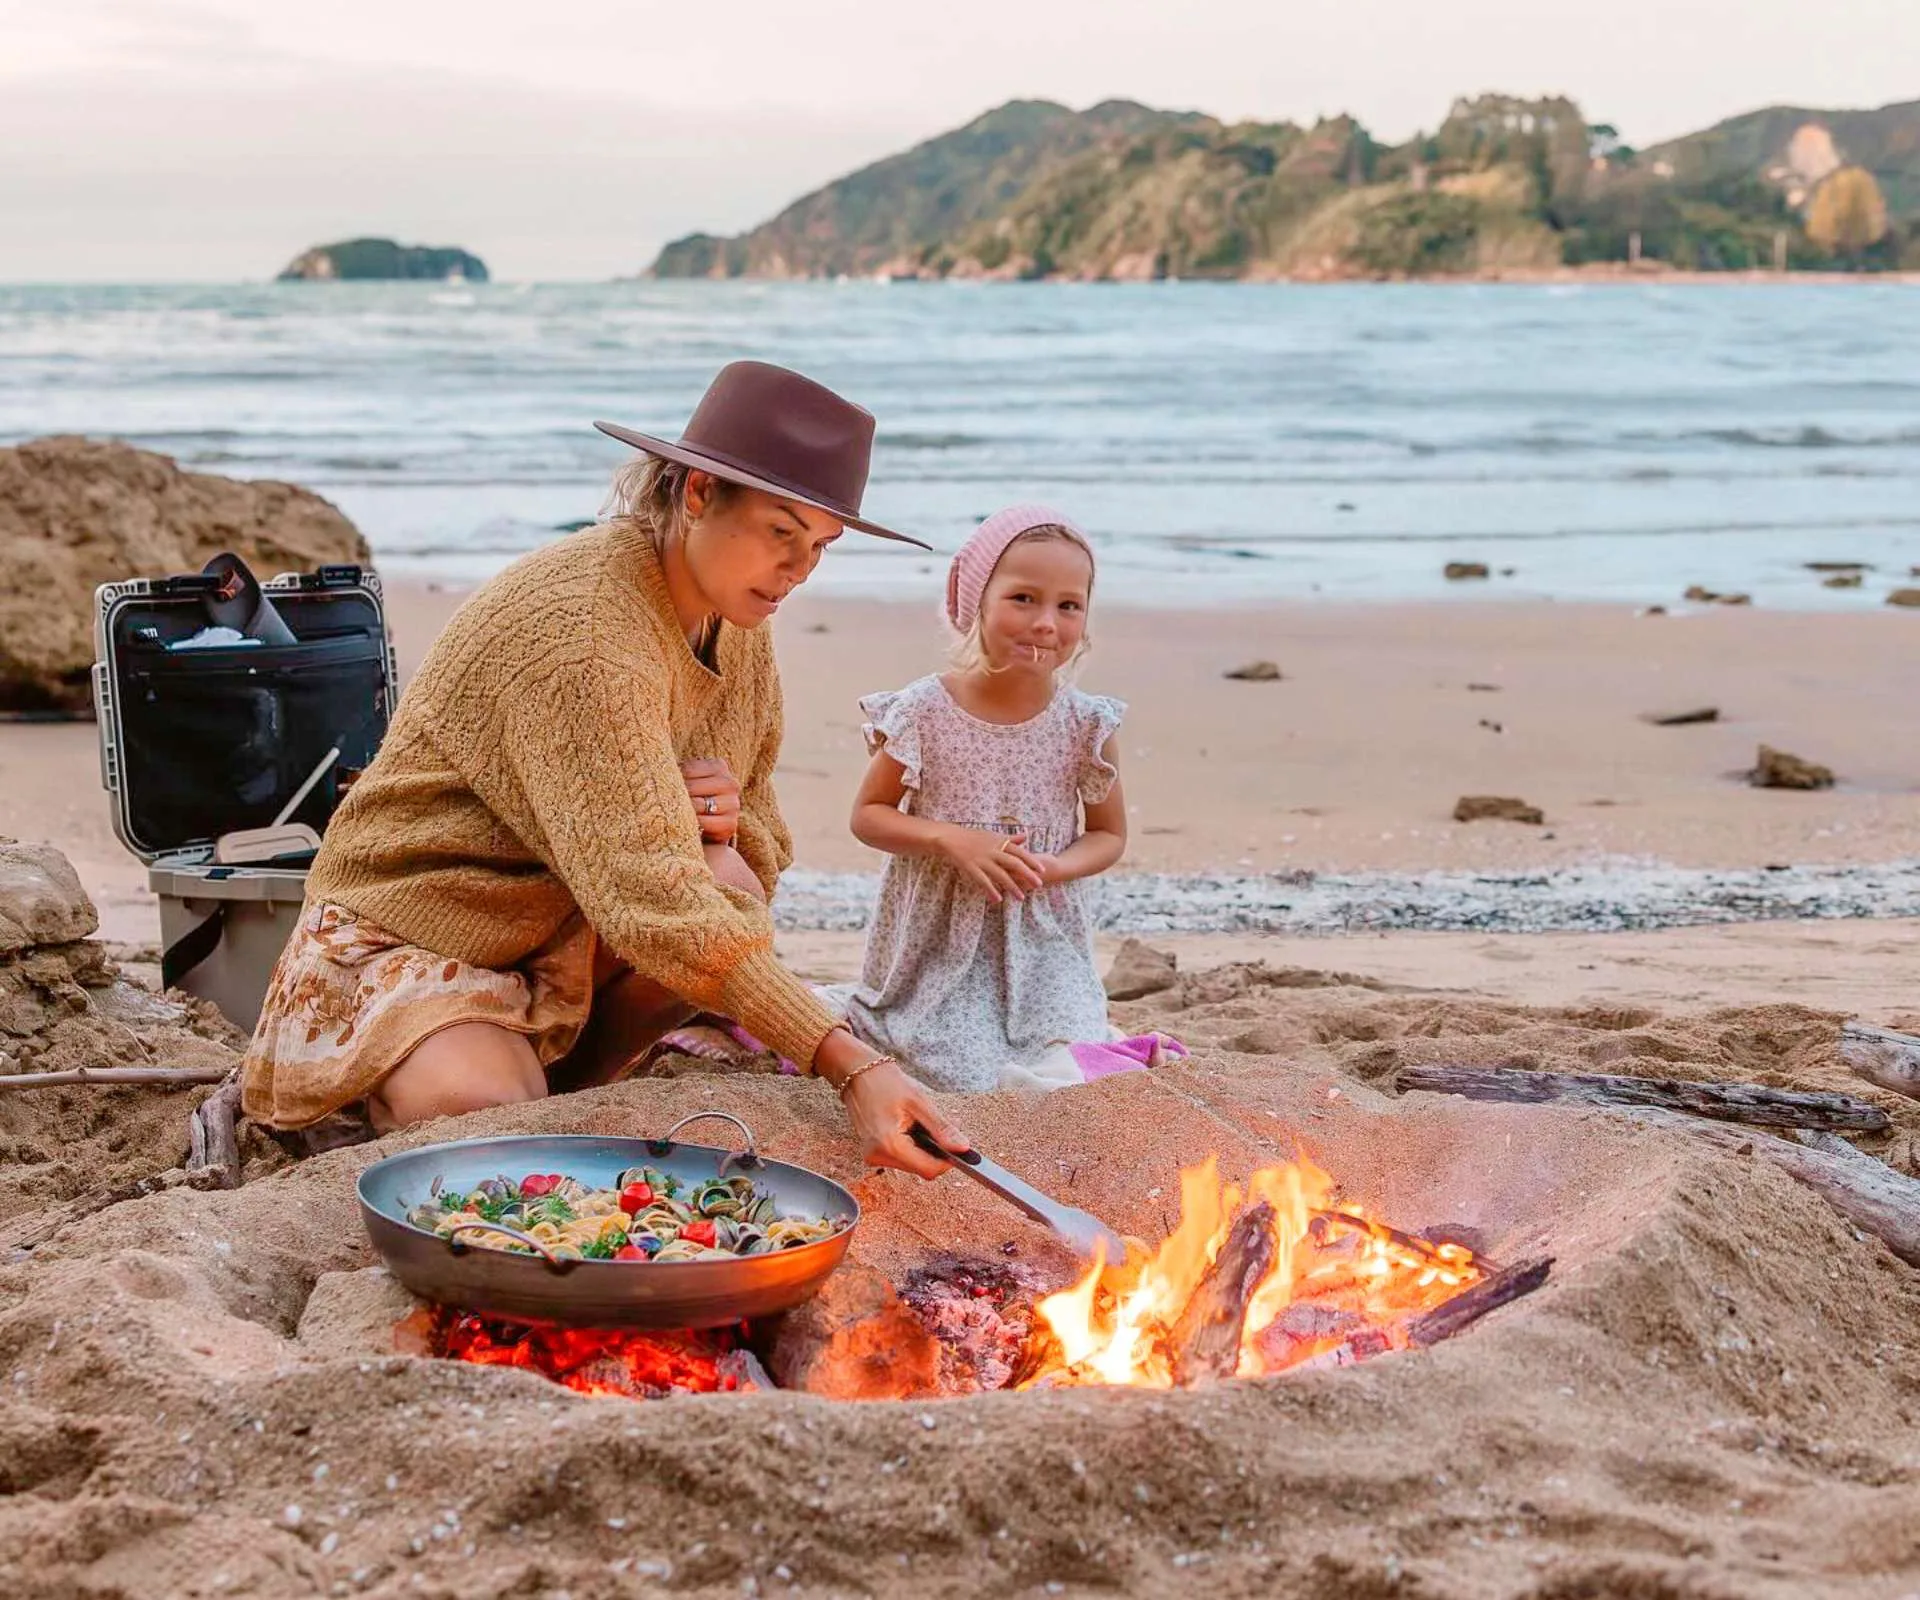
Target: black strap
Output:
[(192, 947)]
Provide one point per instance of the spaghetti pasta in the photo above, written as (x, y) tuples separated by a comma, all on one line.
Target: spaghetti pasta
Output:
[(648, 1215)]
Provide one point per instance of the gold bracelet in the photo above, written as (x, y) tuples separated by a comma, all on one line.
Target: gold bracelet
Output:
[(840, 1088)]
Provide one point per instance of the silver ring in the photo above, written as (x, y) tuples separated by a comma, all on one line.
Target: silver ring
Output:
[(713, 805)]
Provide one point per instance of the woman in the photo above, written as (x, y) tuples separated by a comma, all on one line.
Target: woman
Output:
[(549, 863)]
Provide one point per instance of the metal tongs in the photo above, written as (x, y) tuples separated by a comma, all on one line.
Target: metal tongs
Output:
[(1081, 1229)]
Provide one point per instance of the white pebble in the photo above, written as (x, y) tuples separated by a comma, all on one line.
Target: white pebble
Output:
[(291, 1516)]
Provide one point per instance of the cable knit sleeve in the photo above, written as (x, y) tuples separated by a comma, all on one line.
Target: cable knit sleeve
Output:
[(765, 841), (584, 771)]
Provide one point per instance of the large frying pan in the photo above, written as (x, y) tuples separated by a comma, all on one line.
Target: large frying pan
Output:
[(636, 1294)]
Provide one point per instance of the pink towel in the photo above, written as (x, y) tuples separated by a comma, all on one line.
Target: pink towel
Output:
[(1126, 1055)]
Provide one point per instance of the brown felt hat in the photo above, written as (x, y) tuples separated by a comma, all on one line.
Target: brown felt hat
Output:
[(778, 432)]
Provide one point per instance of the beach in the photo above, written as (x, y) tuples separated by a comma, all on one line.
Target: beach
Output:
[(1711, 1396), (1352, 762)]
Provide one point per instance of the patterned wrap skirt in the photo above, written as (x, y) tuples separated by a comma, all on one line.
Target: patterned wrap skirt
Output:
[(348, 1001)]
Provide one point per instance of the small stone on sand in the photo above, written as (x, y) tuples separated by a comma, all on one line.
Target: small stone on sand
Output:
[(1496, 808), (1776, 769), (1681, 719), (1256, 672)]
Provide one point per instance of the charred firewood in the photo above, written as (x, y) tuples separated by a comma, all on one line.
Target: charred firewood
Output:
[(1205, 1342), (1470, 1305), (1750, 1103)]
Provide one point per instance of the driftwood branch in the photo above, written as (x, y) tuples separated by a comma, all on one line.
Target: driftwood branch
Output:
[(1722, 1102), (1470, 1305), (212, 1143), (1866, 1191), (1206, 1339), (85, 1075), (41, 1229), (1884, 1058)]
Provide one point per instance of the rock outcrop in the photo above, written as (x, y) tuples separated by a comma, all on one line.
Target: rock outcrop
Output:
[(64, 1003), (76, 513)]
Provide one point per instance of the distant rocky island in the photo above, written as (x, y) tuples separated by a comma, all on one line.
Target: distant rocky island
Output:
[(353, 259), (1505, 187)]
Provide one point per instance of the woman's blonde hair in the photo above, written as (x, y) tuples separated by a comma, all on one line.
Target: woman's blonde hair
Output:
[(650, 492), (968, 651)]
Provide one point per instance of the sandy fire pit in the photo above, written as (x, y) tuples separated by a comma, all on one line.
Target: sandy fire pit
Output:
[(1712, 1395)]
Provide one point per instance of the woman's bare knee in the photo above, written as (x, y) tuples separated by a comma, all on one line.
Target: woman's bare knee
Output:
[(470, 1066), (730, 868)]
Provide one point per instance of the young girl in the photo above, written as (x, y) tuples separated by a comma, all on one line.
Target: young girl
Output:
[(979, 965)]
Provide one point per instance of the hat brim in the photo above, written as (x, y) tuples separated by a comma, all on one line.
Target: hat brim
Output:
[(720, 467)]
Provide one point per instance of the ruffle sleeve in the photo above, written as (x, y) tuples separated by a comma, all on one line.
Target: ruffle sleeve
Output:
[(1098, 716), (893, 725)]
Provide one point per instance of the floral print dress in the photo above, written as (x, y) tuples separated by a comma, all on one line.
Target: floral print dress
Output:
[(954, 985)]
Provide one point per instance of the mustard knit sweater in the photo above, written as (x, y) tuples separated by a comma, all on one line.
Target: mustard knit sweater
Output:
[(533, 768)]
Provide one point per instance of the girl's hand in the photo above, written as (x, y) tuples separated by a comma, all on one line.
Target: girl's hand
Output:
[(715, 794), (1052, 869), (996, 862), (883, 1103)]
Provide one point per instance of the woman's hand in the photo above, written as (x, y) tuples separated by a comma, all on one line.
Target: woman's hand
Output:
[(715, 793), (883, 1103), (995, 861)]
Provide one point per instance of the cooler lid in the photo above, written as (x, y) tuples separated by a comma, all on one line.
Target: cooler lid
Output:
[(202, 741)]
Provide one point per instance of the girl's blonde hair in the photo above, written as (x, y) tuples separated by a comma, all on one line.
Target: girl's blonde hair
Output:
[(650, 492), (968, 651)]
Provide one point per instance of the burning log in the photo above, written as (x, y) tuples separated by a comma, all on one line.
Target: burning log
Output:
[(1206, 1339), (1886, 1059), (1749, 1103), (1470, 1305)]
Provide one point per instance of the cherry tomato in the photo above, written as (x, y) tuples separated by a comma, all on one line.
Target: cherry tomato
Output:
[(698, 1232), (635, 1197), (535, 1184), (629, 1252)]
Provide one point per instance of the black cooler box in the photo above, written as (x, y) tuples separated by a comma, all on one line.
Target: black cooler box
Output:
[(201, 743)]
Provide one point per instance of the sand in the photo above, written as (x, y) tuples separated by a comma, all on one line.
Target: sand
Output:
[(1714, 1396), (1353, 761)]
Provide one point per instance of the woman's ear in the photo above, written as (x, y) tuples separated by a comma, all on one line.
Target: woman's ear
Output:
[(698, 494)]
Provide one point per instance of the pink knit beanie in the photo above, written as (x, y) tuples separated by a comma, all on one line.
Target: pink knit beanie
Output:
[(967, 578)]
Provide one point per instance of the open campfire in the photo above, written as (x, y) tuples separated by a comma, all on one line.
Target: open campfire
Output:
[(1251, 1282), (1257, 1279)]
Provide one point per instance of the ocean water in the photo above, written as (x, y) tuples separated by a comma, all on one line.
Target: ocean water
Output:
[(1225, 443)]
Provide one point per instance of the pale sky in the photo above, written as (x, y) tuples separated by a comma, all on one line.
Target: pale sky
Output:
[(154, 140)]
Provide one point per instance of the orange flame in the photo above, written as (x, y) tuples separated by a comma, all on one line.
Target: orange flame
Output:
[(1341, 1285)]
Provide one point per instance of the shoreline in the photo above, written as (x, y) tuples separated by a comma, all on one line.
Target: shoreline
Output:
[(1344, 771)]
